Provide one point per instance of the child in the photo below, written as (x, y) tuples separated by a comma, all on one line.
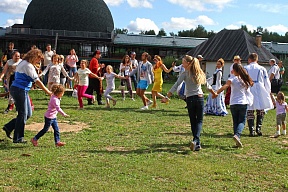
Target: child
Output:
[(82, 79), (239, 99), (55, 70), (110, 80), (51, 116), (281, 109), (125, 69)]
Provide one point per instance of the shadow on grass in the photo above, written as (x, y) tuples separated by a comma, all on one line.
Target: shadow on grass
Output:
[(154, 148), (213, 135)]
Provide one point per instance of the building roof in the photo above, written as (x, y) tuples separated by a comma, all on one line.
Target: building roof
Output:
[(157, 41), (275, 47), (70, 15), (228, 43)]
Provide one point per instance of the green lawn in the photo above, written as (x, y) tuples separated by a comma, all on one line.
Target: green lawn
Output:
[(125, 149)]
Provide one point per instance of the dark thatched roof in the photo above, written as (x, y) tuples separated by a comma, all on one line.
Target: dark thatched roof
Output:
[(228, 43), (71, 15)]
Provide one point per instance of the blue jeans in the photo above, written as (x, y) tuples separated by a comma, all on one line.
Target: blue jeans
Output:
[(195, 106), (48, 123), (72, 71), (239, 113), (23, 107)]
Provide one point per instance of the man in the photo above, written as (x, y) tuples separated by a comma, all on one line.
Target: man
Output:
[(236, 59), (200, 58), (134, 64), (47, 60), (274, 76), (261, 92), (95, 83), (8, 54)]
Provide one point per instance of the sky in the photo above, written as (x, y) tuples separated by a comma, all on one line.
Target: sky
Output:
[(178, 15)]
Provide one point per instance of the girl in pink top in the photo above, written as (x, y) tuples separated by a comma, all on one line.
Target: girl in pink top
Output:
[(82, 79), (71, 61), (281, 110), (51, 116)]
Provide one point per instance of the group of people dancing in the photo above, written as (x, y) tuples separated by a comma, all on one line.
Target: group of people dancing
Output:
[(250, 91)]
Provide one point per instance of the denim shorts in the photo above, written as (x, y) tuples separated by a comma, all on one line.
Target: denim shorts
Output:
[(280, 119), (142, 84)]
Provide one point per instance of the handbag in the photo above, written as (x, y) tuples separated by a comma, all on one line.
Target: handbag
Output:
[(75, 93)]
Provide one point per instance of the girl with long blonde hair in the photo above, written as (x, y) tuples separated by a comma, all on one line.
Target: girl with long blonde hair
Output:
[(194, 77)]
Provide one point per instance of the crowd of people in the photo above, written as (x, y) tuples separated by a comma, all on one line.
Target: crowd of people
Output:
[(249, 88)]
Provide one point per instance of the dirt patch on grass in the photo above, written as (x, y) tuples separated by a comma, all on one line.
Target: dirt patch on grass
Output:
[(63, 126)]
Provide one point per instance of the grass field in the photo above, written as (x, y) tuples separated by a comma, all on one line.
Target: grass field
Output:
[(125, 149)]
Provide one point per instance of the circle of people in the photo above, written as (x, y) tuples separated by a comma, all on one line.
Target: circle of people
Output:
[(248, 89)]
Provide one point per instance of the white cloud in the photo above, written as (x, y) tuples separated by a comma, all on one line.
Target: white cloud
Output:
[(113, 2), (280, 29), (140, 3), (142, 24), (14, 6), (272, 8), (201, 5), (238, 24), (181, 23), (11, 22)]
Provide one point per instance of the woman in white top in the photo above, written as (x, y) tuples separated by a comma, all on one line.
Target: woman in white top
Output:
[(8, 71), (82, 81), (125, 69), (71, 61), (239, 99), (216, 106)]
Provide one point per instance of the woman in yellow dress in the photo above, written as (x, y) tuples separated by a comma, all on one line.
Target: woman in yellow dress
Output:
[(158, 80)]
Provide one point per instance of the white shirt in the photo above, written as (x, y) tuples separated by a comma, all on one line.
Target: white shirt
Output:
[(110, 80), (238, 91), (47, 57), (126, 69), (134, 63), (83, 76), (274, 70)]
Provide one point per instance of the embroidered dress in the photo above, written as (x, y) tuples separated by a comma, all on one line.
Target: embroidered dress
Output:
[(216, 106)]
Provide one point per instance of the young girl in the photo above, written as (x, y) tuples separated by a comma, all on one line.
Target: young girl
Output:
[(71, 61), (125, 69), (281, 109), (82, 79), (158, 79), (51, 116), (110, 80), (216, 106), (194, 77), (240, 98), (54, 69)]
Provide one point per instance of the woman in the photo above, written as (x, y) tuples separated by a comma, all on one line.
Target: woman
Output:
[(8, 71), (71, 61), (145, 77), (216, 106), (240, 98), (158, 80), (25, 75), (125, 69), (194, 77)]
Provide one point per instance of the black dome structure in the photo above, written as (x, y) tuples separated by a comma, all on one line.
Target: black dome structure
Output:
[(70, 15)]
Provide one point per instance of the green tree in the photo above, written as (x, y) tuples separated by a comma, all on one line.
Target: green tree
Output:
[(162, 32), (150, 32), (121, 31)]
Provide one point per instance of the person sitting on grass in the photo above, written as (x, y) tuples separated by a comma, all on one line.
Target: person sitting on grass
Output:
[(51, 116)]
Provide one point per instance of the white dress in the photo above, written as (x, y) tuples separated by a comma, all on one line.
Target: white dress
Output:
[(261, 88), (216, 106)]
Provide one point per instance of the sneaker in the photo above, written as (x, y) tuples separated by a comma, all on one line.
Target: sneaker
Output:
[(114, 102), (11, 107), (60, 144), (34, 142), (198, 148), (93, 99), (284, 132), (20, 141), (144, 108), (8, 133), (149, 102), (275, 136), (237, 141), (6, 111), (192, 146)]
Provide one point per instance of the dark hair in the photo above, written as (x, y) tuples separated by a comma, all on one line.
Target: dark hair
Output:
[(238, 68), (148, 57), (123, 59), (253, 57)]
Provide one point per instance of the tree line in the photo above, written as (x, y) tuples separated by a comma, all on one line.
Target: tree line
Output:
[(201, 32)]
